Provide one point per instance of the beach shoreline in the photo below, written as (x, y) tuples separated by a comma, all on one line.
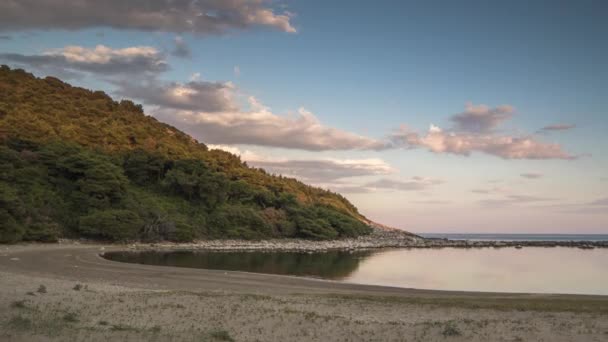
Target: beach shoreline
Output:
[(380, 238), (87, 297)]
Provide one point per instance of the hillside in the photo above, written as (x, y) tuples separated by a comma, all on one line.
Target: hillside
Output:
[(76, 163)]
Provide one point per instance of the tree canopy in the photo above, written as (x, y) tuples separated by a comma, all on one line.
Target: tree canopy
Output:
[(75, 163)]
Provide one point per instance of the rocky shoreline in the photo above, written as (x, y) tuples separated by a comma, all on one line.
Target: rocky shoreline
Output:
[(381, 237)]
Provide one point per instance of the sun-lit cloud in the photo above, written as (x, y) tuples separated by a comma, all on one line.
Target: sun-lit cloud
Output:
[(258, 125), (100, 59), (340, 175), (475, 131), (199, 17), (415, 183), (507, 147), (317, 171), (412, 184), (196, 95)]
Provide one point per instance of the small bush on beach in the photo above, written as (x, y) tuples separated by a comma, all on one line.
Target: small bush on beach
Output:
[(41, 289), (221, 335), (450, 330), (18, 304), (20, 323), (71, 317)]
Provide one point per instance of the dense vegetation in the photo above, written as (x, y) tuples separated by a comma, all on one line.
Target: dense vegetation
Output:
[(75, 163)]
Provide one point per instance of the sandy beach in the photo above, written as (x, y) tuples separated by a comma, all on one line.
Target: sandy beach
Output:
[(68, 292)]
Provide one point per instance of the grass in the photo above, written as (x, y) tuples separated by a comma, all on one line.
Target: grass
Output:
[(548, 303), (18, 304), (20, 323), (123, 327), (450, 330), (221, 335), (41, 289), (71, 317)]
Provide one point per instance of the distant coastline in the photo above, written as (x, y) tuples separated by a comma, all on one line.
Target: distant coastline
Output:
[(515, 237), (381, 237)]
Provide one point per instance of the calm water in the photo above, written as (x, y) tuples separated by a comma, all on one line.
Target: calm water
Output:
[(538, 270), (520, 237)]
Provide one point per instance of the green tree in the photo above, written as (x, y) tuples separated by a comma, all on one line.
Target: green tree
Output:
[(116, 225)]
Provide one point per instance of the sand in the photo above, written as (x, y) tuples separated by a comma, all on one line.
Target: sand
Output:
[(84, 297)]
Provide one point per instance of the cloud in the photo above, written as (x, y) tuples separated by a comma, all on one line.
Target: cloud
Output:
[(413, 184), (514, 199), (600, 202), (237, 70), (325, 170), (200, 17), (339, 175), (258, 125), (557, 127), (5, 37), (387, 184), (481, 118), (507, 147), (532, 175), (504, 196), (317, 171), (432, 202), (195, 95), (101, 59), (475, 131), (181, 49), (492, 190)]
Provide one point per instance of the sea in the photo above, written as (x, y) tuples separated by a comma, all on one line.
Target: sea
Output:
[(517, 237)]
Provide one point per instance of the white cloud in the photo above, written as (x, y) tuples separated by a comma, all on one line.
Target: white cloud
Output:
[(199, 17), (387, 184), (100, 59), (323, 171), (196, 95), (260, 126), (507, 147)]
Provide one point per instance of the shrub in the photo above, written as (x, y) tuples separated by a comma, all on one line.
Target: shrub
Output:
[(10, 230), (116, 225), (236, 221)]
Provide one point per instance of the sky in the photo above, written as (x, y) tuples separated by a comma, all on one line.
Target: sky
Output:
[(430, 116)]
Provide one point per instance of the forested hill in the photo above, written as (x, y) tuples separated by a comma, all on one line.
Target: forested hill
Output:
[(75, 163)]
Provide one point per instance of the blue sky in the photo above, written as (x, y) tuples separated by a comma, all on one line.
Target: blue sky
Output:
[(364, 70)]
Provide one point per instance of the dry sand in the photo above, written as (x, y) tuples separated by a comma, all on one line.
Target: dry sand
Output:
[(87, 298)]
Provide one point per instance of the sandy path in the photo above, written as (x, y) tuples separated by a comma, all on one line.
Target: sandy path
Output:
[(137, 302)]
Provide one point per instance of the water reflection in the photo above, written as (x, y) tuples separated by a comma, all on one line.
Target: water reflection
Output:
[(539, 270), (336, 265)]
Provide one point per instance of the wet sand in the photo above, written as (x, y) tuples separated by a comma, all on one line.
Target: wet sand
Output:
[(90, 298)]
